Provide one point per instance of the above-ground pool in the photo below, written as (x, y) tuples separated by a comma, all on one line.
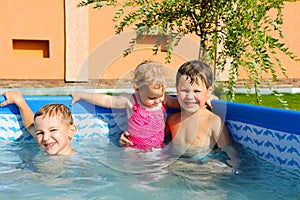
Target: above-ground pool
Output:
[(267, 139)]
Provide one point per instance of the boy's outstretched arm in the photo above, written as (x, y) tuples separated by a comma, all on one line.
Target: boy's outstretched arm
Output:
[(15, 97), (103, 100), (224, 142)]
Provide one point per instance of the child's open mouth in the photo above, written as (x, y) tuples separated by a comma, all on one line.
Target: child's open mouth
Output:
[(49, 145), (189, 103)]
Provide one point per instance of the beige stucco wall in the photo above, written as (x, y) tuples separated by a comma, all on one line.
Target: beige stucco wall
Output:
[(76, 41)]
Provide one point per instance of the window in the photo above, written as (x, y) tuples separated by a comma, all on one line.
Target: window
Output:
[(150, 40), (31, 48)]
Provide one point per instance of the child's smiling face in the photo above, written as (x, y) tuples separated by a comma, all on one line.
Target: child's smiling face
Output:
[(192, 97), (53, 135)]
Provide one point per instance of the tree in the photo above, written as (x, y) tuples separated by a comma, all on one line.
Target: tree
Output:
[(249, 35)]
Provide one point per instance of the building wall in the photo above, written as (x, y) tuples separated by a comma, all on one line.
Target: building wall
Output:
[(32, 39), (290, 28), (291, 38), (106, 60), (56, 40)]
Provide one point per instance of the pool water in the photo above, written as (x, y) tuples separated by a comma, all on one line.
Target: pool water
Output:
[(102, 170)]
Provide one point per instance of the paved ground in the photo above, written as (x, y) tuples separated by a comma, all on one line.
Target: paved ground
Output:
[(60, 87)]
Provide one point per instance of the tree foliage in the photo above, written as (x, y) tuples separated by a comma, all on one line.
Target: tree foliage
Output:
[(248, 33)]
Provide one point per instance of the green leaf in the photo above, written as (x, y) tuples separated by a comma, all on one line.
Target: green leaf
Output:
[(244, 29)]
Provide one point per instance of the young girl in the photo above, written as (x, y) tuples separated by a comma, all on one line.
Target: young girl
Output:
[(146, 106)]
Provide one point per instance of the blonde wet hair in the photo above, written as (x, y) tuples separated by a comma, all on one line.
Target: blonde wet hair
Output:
[(149, 72), (56, 110)]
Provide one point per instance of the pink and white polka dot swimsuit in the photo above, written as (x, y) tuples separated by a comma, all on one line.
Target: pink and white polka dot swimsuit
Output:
[(146, 127)]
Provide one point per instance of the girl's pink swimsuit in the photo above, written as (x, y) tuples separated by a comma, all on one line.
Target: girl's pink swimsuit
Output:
[(146, 127)]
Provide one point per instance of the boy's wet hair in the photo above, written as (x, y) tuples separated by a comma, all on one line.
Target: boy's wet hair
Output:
[(196, 71), (56, 110), (150, 72)]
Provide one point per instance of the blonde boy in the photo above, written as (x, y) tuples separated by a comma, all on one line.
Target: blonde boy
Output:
[(52, 126)]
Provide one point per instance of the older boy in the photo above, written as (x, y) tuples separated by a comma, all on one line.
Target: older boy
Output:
[(52, 126), (196, 129)]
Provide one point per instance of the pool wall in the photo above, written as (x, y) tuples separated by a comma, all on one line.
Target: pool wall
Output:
[(92, 121), (272, 134)]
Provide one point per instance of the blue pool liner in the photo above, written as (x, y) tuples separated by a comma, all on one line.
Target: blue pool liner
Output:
[(272, 134)]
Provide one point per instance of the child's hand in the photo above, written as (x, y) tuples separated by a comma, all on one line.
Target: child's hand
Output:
[(124, 139), (208, 102), (12, 96), (75, 97)]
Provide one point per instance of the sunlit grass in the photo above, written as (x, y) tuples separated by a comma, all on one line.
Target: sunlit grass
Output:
[(267, 100), (271, 101)]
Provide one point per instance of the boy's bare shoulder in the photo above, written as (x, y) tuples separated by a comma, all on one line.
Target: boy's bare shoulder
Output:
[(210, 113), (216, 119)]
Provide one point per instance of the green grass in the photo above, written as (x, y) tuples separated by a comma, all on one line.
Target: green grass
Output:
[(293, 100), (267, 100)]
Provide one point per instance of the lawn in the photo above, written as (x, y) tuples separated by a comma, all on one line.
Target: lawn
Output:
[(267, 100), (271, 101)]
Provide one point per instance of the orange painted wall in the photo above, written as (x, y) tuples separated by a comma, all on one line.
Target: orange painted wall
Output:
[(103, 40), (101, 30), (32, 20), (291, 38), (45, 21), (290, 28)]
